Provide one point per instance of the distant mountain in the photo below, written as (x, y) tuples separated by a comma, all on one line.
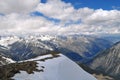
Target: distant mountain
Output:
[(77, 47), (108, 61), (21, 48), (111, 37), (85, 46), (48, 67)]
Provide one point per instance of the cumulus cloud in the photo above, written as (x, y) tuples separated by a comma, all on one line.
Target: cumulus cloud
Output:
[(18, 23), (91, 21), (102, 16), (17, 6), (83, 20), (63, 11), (56, 9)]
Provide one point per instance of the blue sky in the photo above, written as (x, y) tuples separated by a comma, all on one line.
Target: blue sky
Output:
[(95, 4)]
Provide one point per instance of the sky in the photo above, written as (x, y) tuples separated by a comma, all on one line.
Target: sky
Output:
[(95, 4), (60, 16)]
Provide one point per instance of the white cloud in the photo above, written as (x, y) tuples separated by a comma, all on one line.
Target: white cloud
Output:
[(91, 21), (57, 9), (102, 16), (116, 7), (17, 6), (19, 23)]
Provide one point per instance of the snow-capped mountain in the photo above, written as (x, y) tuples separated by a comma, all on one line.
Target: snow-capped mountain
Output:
[(108, 62), (77, 47), (9, 40), (6, 41), (21, 48), (47, 67)]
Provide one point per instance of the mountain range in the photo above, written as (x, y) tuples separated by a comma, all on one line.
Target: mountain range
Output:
[(76, 47)]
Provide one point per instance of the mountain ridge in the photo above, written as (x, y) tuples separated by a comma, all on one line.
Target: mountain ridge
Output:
[(108, 61), (47, 67)]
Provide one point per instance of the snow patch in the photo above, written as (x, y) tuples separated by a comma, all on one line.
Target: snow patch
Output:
[(60, 68), (8, 60)]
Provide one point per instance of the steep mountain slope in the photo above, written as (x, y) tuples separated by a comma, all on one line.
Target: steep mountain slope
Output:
[(26, 50), (108, 62), (47, 67), (96, 74)]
